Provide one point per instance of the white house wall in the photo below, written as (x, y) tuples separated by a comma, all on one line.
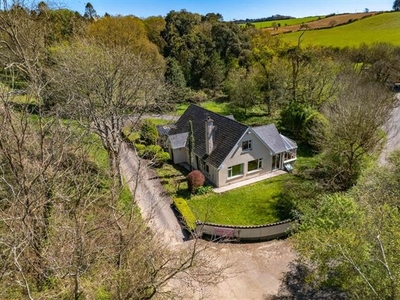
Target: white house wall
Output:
[(238, 156), (179, 155)]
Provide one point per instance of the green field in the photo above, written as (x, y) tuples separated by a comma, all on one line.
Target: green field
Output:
[(384, 27), (284, 23)]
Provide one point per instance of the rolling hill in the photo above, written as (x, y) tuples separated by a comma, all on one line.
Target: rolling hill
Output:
[(384, 27)]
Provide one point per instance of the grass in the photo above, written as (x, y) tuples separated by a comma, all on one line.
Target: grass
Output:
[(255, 116), (254, 204), (379, 28), (217, 107), (250, 205), (286, 22)]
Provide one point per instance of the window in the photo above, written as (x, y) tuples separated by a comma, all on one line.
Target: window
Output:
[(254, 165), (246, 145), (235, 170), (291, 154)]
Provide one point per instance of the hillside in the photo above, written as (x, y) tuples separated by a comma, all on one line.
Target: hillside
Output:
[(319, 22), (378, 28), (285, 23)]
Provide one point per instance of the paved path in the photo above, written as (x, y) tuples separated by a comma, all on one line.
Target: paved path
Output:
[(149, 195), (248, 181)]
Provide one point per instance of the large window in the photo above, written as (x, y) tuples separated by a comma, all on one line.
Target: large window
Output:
[(254, 165), (290, 155), (246, 145), (236, 170)]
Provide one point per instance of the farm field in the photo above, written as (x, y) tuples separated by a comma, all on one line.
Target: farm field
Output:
[(285, 22), (322, 22), (379, 28)]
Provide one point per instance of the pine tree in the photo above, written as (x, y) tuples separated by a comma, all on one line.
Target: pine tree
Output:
[(396, 5)]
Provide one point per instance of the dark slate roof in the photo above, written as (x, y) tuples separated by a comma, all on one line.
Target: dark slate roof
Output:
[(164, 129), (275, 141), (227, 133), (178, 140)]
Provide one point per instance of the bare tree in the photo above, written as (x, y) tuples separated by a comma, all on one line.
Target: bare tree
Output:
[(103, 85), (354, 127)]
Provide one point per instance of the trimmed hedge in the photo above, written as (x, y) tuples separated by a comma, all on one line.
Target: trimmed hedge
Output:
[(187, 215)]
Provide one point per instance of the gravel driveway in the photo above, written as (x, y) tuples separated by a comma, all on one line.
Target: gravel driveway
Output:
[(149, 195)]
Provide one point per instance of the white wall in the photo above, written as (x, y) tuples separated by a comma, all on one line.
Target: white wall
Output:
[(179, 155), (238, 156)]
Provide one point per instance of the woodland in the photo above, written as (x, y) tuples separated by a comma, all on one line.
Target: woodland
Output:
[(69, 229)]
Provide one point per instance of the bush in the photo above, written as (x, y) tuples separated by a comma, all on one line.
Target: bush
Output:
[(148, 132), (129, 134), (195, 180), (154, 153), (187, 215), (203, 190)]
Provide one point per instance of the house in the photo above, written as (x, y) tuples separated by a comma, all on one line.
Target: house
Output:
[(227, 151)]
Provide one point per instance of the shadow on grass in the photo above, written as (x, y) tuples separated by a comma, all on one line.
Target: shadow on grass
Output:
[(187, 234), (31, 108), (295, 285)]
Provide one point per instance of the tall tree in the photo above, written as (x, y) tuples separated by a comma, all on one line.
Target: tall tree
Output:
[(242, 89), (101, 85), (23, 42), (350, 241), (90, 12), (352, 131), (396, 5)]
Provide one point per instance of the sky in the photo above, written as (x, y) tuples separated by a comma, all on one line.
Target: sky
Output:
[(230, 9)]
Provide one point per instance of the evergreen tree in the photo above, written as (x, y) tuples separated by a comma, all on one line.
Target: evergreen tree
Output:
[(396, 5)]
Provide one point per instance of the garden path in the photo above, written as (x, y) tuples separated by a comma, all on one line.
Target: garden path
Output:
[(248, 181)]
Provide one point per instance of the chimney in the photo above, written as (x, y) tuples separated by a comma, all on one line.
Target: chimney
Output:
[(209, 135)]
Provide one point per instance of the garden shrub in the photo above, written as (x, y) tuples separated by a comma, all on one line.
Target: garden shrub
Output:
[(195, 180), (188, 217), (154, 153), (148, 132), (203, 190), (129, 134)]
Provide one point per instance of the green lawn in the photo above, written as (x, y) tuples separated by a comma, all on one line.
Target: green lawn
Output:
[(383, 27), (250, 205), (284, 23), (256, 115), (254, 204), (217, 107)]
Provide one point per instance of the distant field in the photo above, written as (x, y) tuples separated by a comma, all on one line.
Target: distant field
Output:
[(284, 23), (323, 22), (383, 27)]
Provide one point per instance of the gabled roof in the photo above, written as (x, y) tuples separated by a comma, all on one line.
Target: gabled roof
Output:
[(275, 141), (289, 143), (178, 140), (227, 133)]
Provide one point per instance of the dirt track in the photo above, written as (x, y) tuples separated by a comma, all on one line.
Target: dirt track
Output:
[(256, 269)]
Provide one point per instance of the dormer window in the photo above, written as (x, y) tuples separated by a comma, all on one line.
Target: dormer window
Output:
[(246, 145)]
